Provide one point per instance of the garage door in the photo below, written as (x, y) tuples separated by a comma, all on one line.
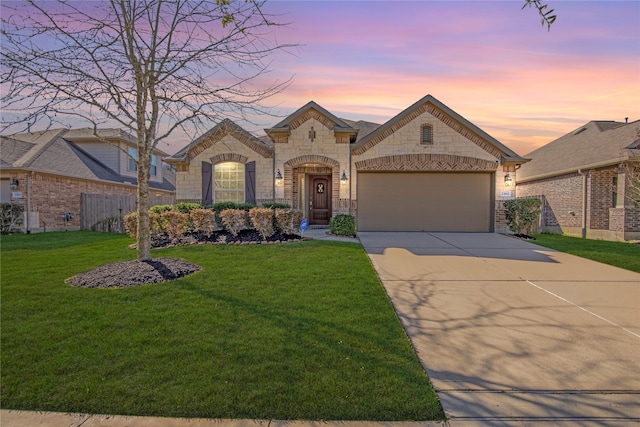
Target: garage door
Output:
[(458, 202)]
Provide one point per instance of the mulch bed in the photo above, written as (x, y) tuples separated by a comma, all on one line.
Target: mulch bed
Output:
[(222, 238), (126, 274)]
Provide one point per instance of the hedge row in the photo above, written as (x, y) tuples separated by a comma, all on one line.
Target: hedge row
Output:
[(176, 221)]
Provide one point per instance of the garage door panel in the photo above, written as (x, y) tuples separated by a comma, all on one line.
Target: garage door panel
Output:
[(424, 202)]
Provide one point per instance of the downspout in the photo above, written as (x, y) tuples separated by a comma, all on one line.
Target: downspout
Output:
[(350, 180), (583, 230), (29, 201)]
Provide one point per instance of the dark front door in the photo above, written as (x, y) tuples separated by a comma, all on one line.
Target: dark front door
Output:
[(319, 199)]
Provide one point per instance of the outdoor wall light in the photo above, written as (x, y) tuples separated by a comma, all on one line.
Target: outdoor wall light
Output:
[(278, 177), (343, 178), (507, 180), (14, 184)]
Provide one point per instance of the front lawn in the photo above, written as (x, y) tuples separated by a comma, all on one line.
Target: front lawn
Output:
[(294, 331), (619, 254)]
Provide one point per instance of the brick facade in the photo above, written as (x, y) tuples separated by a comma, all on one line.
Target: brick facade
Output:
[(607, 216), (563, 200), (50, 196)]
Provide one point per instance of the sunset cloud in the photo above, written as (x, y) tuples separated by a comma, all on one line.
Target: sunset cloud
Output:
[(489, 61)]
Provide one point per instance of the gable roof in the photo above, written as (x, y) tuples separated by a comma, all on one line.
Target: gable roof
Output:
[(363, 127), (305, 112), (446, 115), (595, 144), (225, 127), (50, 152)]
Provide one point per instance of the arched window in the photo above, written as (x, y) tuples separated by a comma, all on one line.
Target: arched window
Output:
[(228, 182)]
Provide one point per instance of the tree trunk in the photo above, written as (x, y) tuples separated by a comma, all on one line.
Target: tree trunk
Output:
[(144, 235)]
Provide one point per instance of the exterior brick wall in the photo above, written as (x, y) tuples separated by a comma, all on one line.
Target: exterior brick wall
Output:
[(51, 196), (632, 219), (600, 197), (563, 199)]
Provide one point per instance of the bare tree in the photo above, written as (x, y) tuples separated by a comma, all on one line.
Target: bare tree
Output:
[(632, 173), (546, 15), (149, 66)]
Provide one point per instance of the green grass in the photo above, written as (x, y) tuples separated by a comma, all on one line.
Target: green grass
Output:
[(296, 331), (619, 254)]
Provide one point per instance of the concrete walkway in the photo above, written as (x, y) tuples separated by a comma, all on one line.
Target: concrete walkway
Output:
[(512, 332), (323, 234)]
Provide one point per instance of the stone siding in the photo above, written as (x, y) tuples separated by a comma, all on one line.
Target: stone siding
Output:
[(226, 148), (325, 150), (450, 150)]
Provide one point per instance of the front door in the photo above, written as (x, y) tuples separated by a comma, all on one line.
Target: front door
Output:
[(319, 199)]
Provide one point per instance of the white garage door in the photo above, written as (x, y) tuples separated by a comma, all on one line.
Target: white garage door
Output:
[(457, 202)]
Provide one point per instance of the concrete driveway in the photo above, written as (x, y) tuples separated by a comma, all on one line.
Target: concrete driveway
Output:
[(508, 330)]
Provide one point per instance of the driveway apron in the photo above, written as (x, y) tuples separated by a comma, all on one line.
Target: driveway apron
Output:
[(508, 330)]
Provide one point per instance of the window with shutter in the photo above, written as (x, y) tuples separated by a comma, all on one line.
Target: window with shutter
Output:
[(228, 182)]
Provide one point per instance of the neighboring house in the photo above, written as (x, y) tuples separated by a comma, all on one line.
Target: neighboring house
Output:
[(428, 168), (47, 171), (584, 179)]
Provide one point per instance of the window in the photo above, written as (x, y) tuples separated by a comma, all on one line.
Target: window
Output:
[(614, 193), (426, 134), (228, 182), (133, 157), (154, 165)]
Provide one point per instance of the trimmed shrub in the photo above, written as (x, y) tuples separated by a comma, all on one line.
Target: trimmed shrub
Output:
[(220, 206), (157, 223), (343, 225), (186, 207), (262, 219), (160, 208), (175, 223), (234, 220), (10, 217), (276, 205), (288, 220), (204, 220), (131, 224), (522, 214)]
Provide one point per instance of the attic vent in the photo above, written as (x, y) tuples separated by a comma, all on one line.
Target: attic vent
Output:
[(579, 131)]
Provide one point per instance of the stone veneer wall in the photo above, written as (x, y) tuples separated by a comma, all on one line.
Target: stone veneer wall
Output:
[(450, 142), (226, 148), (298, 150)]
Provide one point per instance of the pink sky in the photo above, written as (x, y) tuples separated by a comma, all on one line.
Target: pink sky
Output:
[(487, 60)]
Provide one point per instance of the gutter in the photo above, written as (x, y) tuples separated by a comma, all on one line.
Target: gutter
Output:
[(575, 169)]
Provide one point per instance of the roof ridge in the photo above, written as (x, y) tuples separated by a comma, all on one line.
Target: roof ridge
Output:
[(38, 148)]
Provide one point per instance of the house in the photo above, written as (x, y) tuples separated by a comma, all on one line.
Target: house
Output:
[(428, 168), (585, 179), (47, 172)]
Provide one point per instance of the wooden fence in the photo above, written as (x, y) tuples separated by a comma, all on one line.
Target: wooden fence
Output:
[(105, 212)]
